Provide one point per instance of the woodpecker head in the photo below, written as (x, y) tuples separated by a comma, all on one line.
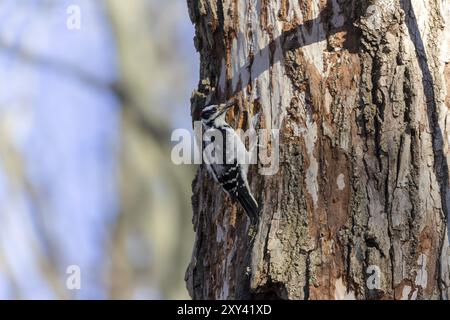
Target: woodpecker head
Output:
[(214, 111)]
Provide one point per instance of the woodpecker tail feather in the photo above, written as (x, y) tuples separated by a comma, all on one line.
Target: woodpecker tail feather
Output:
[(249, 204)]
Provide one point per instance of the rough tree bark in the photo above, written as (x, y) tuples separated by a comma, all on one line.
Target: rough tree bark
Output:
[(360, 92)]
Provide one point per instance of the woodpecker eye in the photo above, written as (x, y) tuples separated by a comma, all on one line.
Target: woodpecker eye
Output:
[(207, 114)]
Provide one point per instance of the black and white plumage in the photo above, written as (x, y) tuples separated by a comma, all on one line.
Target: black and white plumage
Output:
[(231, 171)]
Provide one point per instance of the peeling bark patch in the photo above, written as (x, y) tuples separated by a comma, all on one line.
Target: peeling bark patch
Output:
[(422, 275), (407, 294), (341, 292), (341, 181), (312, 184)]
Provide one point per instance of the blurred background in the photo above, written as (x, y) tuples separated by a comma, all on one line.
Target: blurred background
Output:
[(90, 91)]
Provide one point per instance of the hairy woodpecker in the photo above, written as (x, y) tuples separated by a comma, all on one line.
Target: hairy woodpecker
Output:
[(231, 171)]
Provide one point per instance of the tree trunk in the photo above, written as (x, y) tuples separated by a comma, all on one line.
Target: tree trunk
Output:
[(360, 92)]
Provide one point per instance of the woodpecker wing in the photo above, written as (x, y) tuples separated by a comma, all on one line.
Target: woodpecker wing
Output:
[(230, 172), (232, 179)]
